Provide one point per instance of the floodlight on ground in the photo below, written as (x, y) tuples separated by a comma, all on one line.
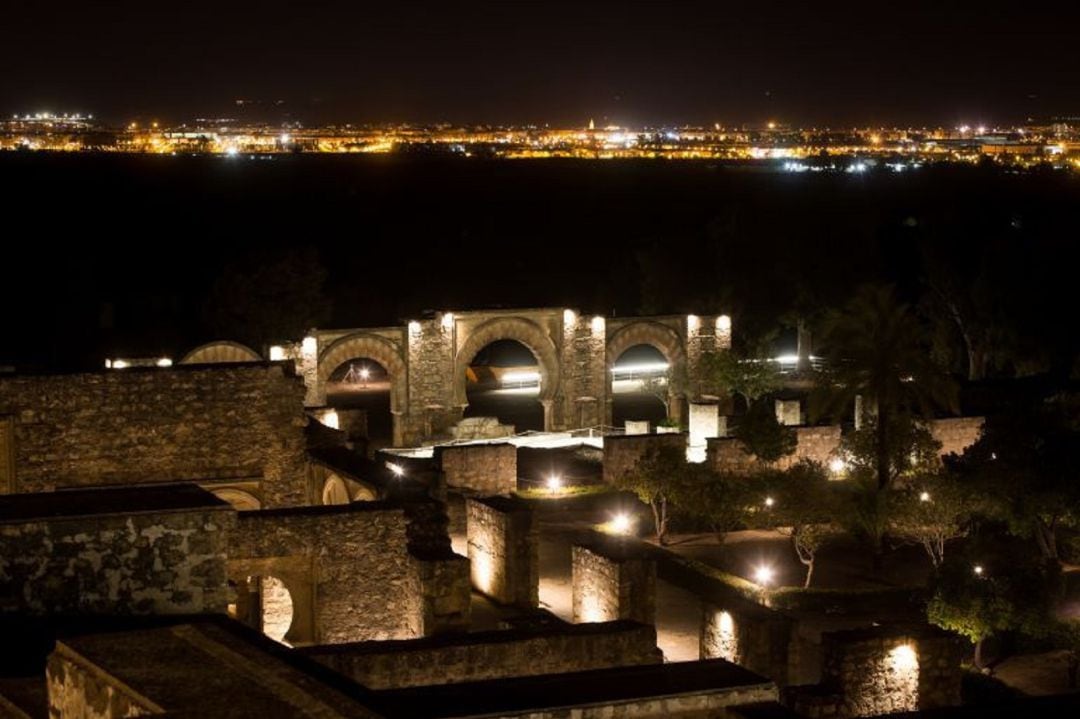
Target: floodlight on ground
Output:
[(764, 575)]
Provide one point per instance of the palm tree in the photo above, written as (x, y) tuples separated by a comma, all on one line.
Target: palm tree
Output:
[(874, 349)]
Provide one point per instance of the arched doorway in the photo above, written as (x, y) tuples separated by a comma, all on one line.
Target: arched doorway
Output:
[(277, 608), (668, 343), (640, 386), (545, 363), (363, 384), (503, 381), (366, 371)]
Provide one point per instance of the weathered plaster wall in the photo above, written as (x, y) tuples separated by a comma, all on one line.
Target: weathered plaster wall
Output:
[(489, 469), (504, 551), (492, 655), (209, 424), (610, 583), (621, 453), (149, 563)]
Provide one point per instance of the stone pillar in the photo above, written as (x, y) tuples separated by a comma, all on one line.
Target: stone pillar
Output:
[(613, 582), (548, 406), (444, 593), (504, 551), (803, 348), (704, 423), (789, 412)]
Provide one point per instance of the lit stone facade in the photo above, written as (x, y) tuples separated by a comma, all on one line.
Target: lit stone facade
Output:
[(622, 453), (504, 551), (488, 469), (427, 361)]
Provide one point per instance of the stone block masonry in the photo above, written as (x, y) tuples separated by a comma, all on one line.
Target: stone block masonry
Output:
[(750, 635), (136, 551), (622, 453), (612, 581), (492, 655), (504, 551), (487, 469), (206, 424), (888, 669), (368, 581), (956, 433)]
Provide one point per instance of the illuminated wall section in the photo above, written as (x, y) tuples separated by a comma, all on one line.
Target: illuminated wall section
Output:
[(503, 551), (612, 581)]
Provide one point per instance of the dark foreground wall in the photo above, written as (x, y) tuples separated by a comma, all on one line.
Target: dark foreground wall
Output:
[(492, 655)]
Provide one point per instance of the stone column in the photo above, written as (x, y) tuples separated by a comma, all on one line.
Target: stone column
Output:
[(613, 582), (504, 551), (548, 405), (704, 424)]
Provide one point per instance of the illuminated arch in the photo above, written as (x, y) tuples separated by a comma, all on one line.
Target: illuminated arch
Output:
[(364, 345), (521, 330), (221, 352), (335, 491), (647, 332), (240, 500)]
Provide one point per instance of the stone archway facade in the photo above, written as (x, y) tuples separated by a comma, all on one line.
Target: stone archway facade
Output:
[(667, 341), (427, 361), (529, 334), (221, 352)]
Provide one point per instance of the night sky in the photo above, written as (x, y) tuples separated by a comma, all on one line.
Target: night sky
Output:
[(521, 61)]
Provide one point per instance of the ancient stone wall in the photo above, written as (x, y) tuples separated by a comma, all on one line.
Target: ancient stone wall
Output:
[(488, 469), (621, 453), (492, 654), (207, 424), (816, 444), (504, 551), (749, 635), (445, 593), (886, 670), (956, 433), (612, 582), (165, 561), (366, 583)]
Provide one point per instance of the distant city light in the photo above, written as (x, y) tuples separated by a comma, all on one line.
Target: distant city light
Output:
[(164, 362), (640, 368)]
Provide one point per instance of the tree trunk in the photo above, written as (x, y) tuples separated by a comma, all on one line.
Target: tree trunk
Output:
[(1046, 538), (809, 573), (659, 509), (882, 447), (978, 656)]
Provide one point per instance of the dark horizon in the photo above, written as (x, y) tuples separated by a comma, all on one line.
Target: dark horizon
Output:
[(632, 64)]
